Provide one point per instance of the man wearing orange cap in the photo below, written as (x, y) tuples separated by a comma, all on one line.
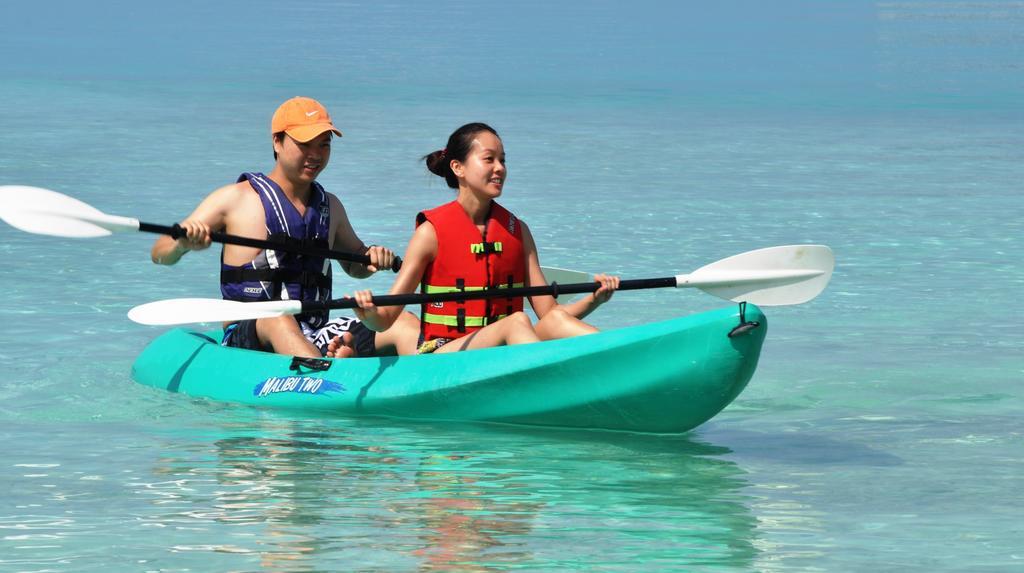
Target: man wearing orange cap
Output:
[(289, 205)]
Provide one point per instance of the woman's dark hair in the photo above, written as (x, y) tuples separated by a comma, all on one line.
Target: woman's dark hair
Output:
[(440, 162)]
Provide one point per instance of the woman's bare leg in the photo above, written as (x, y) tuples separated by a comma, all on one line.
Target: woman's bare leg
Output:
[(560, 324), (513, 329), (400, 338)]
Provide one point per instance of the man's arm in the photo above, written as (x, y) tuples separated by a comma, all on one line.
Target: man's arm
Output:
[(346, 240), (209, 216)]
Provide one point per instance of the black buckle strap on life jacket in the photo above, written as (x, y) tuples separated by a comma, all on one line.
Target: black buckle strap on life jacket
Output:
[(306, 279), (485, 247), (509, 282), (744, 326), (460, 313)]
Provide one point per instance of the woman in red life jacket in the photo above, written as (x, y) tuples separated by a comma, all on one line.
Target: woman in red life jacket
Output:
[(473, 243)]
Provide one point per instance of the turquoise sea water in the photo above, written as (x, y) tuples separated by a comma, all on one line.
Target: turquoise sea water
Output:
[(882, 430)]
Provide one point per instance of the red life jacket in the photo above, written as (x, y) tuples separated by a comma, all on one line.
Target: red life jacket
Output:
[(467, 261)]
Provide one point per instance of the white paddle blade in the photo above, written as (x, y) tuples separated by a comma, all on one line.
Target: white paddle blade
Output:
[(775, 276), (566, 276), (191, 310), (45, 212)]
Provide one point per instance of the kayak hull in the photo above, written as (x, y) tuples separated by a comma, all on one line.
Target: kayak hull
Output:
[(664, 377)]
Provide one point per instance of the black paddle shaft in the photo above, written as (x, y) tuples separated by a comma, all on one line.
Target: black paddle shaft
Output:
[(553, 289), (176, 232)]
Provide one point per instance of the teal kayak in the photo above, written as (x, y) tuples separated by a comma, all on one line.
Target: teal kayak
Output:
[(663, 377)]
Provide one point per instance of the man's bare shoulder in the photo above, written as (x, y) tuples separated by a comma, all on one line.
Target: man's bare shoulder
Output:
[(236, 191), (339, 215), (236, 196), (239, 208), (333, 201)]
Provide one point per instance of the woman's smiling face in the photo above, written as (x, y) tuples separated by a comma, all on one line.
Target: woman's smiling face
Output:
[(483, 172)]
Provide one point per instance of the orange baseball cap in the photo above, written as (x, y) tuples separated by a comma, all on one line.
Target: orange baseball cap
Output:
[(302, 118)]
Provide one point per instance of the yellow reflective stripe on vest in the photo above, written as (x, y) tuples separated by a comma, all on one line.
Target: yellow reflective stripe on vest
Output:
[(446, 320), (431, 289)]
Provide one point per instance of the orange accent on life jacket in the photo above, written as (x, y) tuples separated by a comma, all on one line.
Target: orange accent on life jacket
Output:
[(468, 261)]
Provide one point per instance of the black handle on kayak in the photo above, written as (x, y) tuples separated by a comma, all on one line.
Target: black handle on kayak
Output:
[(176, 232), (553, 289)]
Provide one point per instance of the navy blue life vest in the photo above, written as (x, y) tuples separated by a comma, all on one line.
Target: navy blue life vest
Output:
[(279, 275)]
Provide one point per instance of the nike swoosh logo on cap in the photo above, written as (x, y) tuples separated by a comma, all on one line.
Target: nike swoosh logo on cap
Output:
[(312, 113)]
